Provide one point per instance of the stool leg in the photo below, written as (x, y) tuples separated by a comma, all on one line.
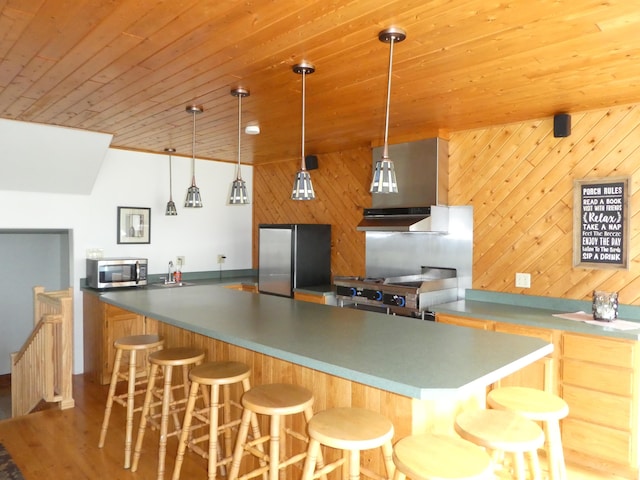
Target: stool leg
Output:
[(518, 465), (310, 460), (164, 419), (354, 465), (148, 397), (274, 447), (226, 391), (112, 391), (214, 408), (186, 427), (247, 418), (534, 465), (387, 453), (131, 387), (308, 414), (555, 455)]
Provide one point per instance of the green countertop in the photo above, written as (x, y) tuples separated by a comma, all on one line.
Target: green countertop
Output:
[(536, 312), (407, 356)]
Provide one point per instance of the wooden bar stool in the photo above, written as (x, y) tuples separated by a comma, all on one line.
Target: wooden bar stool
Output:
[(540, 406), (214, 374), (440, 457), (504, 432), (184, 357), (276, 400), (351, 430), (135, 378)]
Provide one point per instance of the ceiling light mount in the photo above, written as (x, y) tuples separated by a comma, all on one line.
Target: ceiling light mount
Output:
[(238, 195), (384, 175), (302, 186)]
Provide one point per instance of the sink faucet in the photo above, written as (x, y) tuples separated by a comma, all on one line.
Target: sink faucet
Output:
[(171, 272)]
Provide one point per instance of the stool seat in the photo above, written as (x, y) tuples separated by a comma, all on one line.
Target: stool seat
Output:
[(219, 373), (529, 402), (165, 359), (440, 457), (216, 415), (277, 401), (135, 378), (177, 356), (540, 406), (504, 431), (351, 430)]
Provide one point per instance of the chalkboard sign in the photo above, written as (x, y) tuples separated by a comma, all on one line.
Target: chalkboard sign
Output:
[(601, 223)]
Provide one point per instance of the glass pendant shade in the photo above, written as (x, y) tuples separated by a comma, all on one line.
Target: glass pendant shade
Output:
[(384, 175), (193, 199), (171, 206), (302, 187), (238, 195)]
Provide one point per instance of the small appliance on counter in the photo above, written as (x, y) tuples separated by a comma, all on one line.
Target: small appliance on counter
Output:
[(293, 256), (116, 272)]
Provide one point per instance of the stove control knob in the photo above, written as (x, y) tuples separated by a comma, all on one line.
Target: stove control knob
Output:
[(401, 301), (378, 295), (353, 291)]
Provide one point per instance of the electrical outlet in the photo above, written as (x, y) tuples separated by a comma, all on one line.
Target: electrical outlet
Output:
[(523, 280), (221, 258), (180, 261)]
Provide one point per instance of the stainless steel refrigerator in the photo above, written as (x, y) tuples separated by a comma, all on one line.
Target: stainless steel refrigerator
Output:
[(293, 256)]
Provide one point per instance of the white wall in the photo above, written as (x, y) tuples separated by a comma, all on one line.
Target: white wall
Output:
[(142, 180)]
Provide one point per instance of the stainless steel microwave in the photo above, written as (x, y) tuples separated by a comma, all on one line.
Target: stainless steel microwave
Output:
[(116, 272)]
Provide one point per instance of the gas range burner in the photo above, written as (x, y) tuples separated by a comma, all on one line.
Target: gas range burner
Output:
[(408, 295)]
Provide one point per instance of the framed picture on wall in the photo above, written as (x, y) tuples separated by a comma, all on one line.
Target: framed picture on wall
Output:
[(601, 223), (134, 225)]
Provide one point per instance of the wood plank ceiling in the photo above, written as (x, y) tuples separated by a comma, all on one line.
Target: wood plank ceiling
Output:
[(130, 67)]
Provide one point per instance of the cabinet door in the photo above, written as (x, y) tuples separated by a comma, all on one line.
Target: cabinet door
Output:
[(464, 321), (118, 323), (93, 312), (308, 297), (540, 374)]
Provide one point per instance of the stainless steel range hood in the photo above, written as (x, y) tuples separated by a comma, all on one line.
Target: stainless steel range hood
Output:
[(416, 219), (419, 206)]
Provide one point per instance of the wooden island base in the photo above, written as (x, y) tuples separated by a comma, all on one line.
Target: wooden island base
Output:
[(408, 415)]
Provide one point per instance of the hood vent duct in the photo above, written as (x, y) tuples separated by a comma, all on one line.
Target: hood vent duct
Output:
[(423, 181)]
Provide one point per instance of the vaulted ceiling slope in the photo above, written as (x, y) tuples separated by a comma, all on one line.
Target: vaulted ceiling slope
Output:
[(130, 67)]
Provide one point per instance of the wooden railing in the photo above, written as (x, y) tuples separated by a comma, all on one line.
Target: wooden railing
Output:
[(43, 368)]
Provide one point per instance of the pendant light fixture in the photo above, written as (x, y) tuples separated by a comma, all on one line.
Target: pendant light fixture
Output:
[(384, 175), (239, 194), (302, 187), (171, 206), (193, 199)]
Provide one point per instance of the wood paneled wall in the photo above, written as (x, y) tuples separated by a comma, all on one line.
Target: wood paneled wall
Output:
[(519, 179), (341, 183)]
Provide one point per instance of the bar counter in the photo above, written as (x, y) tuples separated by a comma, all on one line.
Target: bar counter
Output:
[(417, 372)]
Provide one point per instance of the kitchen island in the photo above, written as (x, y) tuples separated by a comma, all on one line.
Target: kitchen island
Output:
[(418, 373)]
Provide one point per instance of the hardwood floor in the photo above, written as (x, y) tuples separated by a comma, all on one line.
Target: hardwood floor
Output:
[(63, 444)]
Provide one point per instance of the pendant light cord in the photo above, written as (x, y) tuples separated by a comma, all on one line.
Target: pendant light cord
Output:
[(170, 180), (385, 151), (304, 96), (193, 152), (238, 174)]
